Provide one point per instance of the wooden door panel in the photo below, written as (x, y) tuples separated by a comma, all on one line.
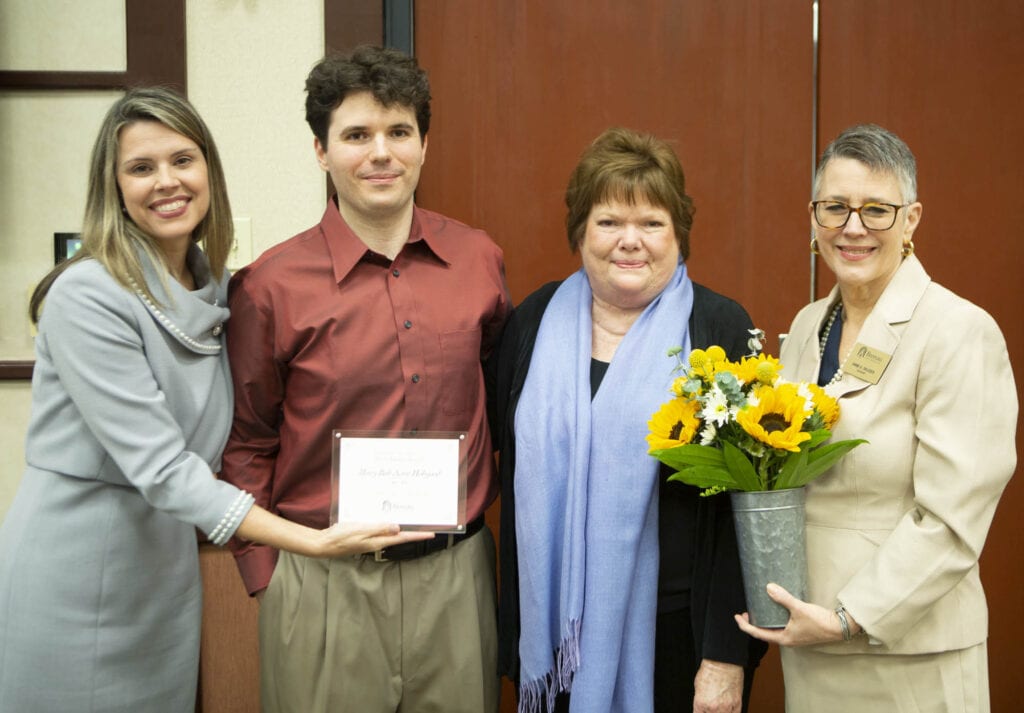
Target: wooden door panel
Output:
[(520, 88), (945, 76)]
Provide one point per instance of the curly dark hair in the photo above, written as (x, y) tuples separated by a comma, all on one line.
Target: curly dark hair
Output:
[(393, 78)]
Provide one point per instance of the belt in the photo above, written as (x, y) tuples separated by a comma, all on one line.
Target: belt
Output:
[(421, 548)]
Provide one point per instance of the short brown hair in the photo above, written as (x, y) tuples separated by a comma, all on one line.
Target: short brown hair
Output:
[(628, 165)]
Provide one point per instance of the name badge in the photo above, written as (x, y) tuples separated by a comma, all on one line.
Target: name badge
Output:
[(866, 364)]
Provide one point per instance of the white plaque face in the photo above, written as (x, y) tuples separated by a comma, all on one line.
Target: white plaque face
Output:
[(415, 480)]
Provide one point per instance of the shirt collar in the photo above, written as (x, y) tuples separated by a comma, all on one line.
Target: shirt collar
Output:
[(346, 249)]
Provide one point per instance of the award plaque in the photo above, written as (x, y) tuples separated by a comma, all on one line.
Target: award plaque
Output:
[(415, 479)]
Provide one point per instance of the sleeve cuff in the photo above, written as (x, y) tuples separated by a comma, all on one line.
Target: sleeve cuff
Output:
[(256, 564), (236, 512)]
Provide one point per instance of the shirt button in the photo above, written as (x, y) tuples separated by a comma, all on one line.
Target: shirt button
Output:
[(415, 378), (217, 330), (408, 324), (395, 272)]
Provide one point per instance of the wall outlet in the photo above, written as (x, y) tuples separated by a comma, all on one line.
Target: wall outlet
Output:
[(241, 248)]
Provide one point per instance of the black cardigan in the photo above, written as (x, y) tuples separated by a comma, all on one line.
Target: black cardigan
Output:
[(715, 581)]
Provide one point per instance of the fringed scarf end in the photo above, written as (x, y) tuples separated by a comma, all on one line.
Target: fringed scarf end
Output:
[(559, 679)]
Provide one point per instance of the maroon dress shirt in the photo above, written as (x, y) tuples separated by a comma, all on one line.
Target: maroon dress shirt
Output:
[(325, 334)]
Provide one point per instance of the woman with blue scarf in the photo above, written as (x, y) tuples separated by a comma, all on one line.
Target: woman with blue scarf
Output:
[(617, 588)]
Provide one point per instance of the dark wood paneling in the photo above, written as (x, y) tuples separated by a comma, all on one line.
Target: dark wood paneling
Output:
[(16, 370), (945, 76), (521, 88), (349, 23), (19, 79), (156, 43), (229, 665)]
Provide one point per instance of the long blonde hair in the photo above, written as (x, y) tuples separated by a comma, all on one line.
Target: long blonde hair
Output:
[(108, 234)]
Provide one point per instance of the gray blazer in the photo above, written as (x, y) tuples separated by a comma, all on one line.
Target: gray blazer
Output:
[(99, 577), (122, 389)]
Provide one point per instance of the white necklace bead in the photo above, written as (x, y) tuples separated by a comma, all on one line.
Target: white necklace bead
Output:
[(175, 329), (838, 376)]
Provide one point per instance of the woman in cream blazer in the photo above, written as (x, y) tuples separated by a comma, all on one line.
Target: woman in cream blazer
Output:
[(895, 618)]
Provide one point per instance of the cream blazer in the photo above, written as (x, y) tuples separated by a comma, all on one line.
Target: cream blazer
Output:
[(895, 530)]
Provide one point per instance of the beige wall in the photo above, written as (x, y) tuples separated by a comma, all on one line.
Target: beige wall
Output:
[(54, 35), (13, 416), (46, 138), (247, 63), (246, 66)]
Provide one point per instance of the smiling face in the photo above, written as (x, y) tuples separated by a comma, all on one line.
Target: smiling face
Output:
[(629, 252), (374, 155), (863, 260), (164, 183)]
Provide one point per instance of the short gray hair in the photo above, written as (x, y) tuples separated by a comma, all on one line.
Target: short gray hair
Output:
[(880, 150)]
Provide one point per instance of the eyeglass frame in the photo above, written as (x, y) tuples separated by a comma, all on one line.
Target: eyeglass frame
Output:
[(850, 210)]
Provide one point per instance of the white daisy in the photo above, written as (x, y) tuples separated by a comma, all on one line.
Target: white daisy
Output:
[(707, 435), (716, 407)]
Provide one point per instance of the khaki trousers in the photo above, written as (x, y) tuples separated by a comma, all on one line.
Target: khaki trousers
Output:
[(946, 682), (358, 635)]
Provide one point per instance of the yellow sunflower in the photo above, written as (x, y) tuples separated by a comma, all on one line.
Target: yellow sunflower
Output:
[(674, 424), (825, 405), (761, 368), (777, 418)]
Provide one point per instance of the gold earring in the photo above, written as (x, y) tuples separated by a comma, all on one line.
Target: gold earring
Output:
[(814, 246), (908, 248)]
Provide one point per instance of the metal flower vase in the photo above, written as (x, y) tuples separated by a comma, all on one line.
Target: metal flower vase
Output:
[(770, 535)]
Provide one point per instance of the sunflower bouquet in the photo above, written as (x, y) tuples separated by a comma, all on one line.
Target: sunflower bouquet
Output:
[(736, 425)]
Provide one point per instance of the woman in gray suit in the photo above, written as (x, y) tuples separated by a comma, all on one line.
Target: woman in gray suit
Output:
[(895, 618), (100, 598)]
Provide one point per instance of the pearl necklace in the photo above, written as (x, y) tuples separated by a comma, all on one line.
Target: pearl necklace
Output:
[(823, 340)]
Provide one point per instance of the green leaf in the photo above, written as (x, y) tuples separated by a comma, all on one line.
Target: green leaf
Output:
[(692, 387), (821, 459), (790, 471), (741, 468), (730, 386), (688, 455), (817, 438), (706, 477), (832, 452)]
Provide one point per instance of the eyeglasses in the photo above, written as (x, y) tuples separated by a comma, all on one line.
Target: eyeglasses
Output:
[(873, 216)]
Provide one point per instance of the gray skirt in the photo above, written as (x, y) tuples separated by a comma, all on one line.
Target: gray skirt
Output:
[(100, 601)]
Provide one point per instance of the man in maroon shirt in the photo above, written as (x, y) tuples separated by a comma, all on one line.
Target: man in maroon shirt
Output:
[(377, 319)]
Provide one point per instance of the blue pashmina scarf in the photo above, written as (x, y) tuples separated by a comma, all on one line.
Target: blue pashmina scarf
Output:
[(587, 504)]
